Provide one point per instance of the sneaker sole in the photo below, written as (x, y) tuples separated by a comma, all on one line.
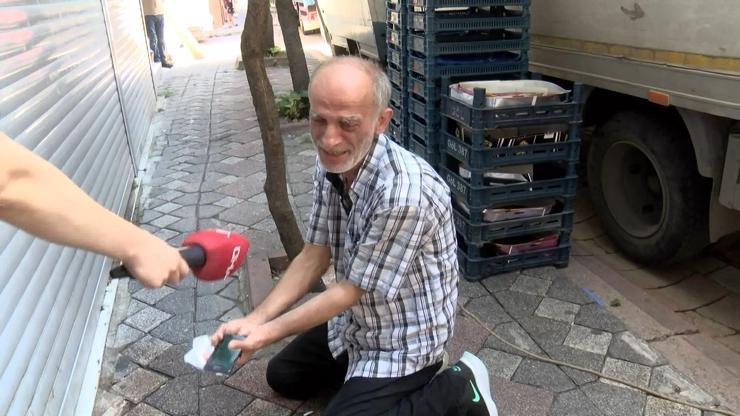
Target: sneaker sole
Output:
[(480, 373)]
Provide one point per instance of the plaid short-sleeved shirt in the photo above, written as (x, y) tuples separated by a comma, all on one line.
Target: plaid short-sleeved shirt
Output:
[(398, 244)]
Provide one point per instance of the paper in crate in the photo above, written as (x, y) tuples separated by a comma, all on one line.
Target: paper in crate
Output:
[(507, 94)]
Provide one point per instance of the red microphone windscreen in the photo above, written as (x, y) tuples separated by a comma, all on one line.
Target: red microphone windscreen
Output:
[(225, 252)]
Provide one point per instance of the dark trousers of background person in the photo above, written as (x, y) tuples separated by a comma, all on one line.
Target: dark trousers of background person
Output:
[(305, 368), (155, 33)]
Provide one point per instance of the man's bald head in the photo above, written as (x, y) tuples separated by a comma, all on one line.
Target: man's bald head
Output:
[(380, 84)]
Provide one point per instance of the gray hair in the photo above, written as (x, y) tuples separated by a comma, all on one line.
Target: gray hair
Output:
[(381, 83)]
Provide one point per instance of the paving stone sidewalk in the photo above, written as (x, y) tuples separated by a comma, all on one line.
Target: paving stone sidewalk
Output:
[(209, 172)]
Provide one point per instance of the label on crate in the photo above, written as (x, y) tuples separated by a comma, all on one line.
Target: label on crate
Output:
[(456, 184), (456, 146)]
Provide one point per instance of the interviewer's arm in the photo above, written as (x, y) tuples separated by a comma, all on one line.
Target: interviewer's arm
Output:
[(38, 198)]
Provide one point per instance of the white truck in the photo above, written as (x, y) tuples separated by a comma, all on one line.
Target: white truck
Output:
[(662, 84)]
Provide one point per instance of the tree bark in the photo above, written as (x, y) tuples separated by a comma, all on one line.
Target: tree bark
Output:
[(288, 19), (263, 99), (268, 39)]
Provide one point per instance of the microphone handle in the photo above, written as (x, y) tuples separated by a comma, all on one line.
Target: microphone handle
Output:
[(193, 255)]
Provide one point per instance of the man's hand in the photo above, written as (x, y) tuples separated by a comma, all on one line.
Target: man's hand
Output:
[(153, 262)]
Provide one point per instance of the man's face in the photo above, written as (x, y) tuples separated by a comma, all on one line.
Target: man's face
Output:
[(344, 120)]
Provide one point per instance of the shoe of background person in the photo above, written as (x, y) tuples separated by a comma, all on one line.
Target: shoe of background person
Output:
[(166, 64), (477, 399)]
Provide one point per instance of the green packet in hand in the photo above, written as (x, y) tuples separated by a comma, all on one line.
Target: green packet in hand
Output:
[(222, 360)]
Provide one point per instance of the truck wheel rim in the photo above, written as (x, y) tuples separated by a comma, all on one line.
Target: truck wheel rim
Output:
[(633, 189)]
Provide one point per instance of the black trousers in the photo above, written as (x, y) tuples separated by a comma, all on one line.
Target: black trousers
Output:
[(305, 368)]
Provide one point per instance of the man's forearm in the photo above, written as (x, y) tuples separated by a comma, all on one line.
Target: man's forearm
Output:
[(335, 300), (302, 274)]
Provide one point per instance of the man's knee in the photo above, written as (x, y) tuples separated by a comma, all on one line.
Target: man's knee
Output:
[(284, 380)]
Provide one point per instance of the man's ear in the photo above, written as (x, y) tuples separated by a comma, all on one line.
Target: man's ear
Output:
[(383, 119)]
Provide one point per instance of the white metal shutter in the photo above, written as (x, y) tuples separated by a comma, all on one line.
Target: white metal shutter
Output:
[(58, 96), (131, 59)]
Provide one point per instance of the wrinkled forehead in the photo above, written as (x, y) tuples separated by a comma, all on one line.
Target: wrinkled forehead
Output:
[(341, 84)]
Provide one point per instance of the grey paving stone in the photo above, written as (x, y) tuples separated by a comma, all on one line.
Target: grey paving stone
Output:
[(667, 380), (208, 211), (587, 339), (149, 216), (178, 397), (545, 331), (152, 296), (133, 287), (231, 291), (233, 313), (172, 363), (514, 334), (613, 400), (168, 207), (659, 407), (211, 197), (209, 378), (626, 346), (517, 304), (540, 374), (574, 403), (488, 310), (188, 282), (187, 199), (206, 327), (531, 285), (246, 213), (212, 307), (246, 188), (177, 330), (139, 384), (729, 277), (184, 212), (124, 366), (182, 301), (212, 287), (143, 351), (227, 202), (627, 371), (166, 234), (125, 335), (562, 288), (580, 358), (143, 409), (222, 400), (164, 221), (596, 317), (558, 310), (147, 319), (261, 407), (500, 281), (547, 272), (500, 364), (185, 225)]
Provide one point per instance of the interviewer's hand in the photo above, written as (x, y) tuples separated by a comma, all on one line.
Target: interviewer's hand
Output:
[(153, 262)]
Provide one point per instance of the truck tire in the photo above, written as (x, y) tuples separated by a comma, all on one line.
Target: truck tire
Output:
[(646, 189)]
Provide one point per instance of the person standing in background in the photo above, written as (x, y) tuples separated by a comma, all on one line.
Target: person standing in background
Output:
[(154, 18)]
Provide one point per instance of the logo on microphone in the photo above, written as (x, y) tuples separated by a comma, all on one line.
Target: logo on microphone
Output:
[(234, 257)]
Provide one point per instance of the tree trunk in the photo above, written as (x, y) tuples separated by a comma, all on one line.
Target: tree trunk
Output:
[(263, 99), (288, 19), (268, 40)]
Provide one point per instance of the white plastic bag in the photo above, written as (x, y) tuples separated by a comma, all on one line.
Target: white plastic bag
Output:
[(198, 355)]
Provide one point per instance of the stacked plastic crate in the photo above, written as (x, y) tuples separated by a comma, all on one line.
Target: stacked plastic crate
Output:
[(457, 40), (510, 161), (397, 60)]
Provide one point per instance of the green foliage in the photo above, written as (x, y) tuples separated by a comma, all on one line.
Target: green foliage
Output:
[(615, 303), (166, 93), (273, 51), (293, 105)]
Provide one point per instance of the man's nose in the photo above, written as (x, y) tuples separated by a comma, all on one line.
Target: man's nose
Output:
[(332, 136)]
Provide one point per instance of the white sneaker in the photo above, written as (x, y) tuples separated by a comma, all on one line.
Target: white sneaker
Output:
[(480, 401)]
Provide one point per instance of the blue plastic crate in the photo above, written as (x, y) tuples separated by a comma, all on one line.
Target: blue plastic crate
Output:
[(475, 268), (396, 58), (479, 157), (481, 197), (499, 63), (395, 19), (458, 45), (426, 130), (428, 91), (395, 39), (478, 116), (480, 232), (464, 21), (426, 152), (396, 76), (397, 97), (433, 4)]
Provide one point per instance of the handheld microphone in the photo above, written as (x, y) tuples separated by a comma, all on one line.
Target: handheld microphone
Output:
[(212, 254)]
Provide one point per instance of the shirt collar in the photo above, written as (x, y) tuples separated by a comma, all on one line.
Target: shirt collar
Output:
[(370, 165)]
